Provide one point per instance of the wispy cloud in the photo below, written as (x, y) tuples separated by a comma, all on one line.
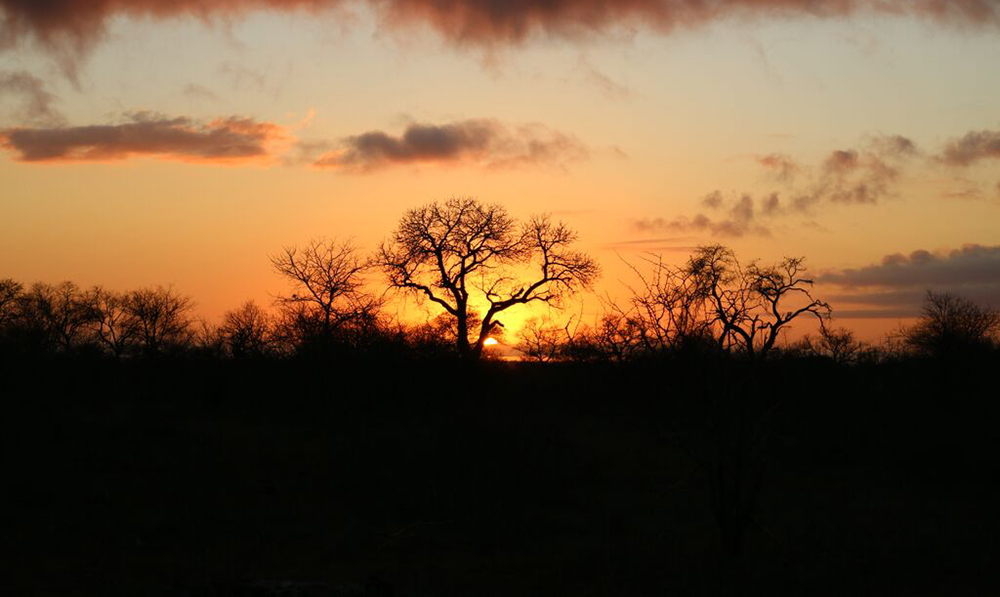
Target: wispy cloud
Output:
[(862, 176), (196, 91), (973, 147), (601, 80), (729, 217), (35, 103), (783, 167)]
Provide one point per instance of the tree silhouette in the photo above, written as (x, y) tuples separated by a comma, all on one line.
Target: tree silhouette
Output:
[(246, 331), (668, 309), (328, 293), (836, 344), (539, 340), (10, 294), (161, 318), (58, 314), (952, 325), (111, 321), (463, 252), (747, 305)]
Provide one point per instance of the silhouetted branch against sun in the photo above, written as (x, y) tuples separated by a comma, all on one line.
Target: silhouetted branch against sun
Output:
[(463, 251)]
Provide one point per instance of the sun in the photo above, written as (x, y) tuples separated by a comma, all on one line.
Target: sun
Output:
[(490, 342)]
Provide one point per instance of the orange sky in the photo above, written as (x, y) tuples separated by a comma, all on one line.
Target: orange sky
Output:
[(158, 148)]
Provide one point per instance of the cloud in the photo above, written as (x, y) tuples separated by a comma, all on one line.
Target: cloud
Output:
[(962, 189), (783, 167), (36, 102), (971, 148), (243, 78), (608, 86), (223, 140), (862, 176), (971, 264), (740, 217), (899, 282), (851, 176), (196, 91), (76, 24), (673, 244), (481, 141), (894, 146)]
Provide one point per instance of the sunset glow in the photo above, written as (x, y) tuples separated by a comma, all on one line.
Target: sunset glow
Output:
[(500, 297), (183, 143)]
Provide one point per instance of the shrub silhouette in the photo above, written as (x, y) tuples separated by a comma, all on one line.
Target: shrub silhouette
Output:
[(951, 325)]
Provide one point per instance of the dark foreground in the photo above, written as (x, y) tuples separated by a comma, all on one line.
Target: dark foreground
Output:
[(698, 477)]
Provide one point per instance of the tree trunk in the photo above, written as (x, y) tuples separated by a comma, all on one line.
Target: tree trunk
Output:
[(464, 350)]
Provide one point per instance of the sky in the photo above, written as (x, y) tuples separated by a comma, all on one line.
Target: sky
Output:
[(149, 142)]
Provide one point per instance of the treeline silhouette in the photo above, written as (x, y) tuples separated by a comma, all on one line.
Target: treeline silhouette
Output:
[(710, 304), (675, 446)]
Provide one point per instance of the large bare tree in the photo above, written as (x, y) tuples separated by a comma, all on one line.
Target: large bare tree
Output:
[(467, 256)]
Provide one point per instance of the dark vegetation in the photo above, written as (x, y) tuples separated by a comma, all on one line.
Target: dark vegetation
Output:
[(675, 447)]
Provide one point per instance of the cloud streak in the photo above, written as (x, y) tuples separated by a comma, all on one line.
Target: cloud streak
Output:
[(479, 141), (224, 140)]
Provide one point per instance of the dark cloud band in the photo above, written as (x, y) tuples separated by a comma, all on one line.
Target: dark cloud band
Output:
[(900, 282), (482, 22)]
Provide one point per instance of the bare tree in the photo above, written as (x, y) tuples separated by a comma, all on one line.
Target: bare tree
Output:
[(207, 339), (111, 321), (247, 331), (539, 340), (10, 294), (668, 308), (836, 344), (327, 278), (952, 324), (619, 336), (463, 253), (748, 305), (58, 312), (161, 317)]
